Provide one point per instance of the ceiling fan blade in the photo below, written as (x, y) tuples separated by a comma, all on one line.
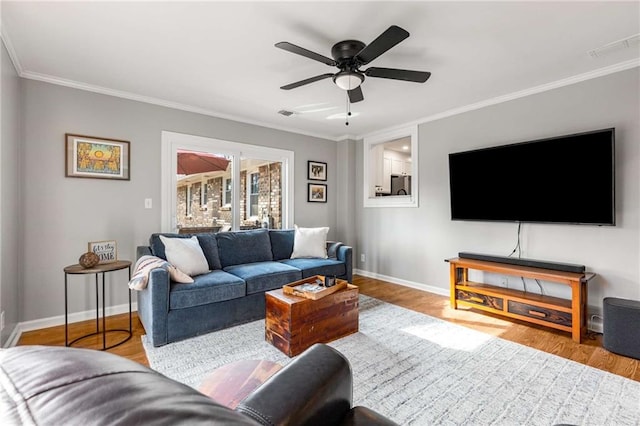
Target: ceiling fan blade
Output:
[(355, 95), (395, 74), (385, 41), (285, 45), (306, 81)]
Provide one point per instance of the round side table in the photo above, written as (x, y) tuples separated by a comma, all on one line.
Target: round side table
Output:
[(98, 270)]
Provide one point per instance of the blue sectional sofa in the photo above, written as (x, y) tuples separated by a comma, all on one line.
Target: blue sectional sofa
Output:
[(243, 266)]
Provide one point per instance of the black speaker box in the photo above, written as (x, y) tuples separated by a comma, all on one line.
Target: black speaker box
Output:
[(621, 333), (566, 267)]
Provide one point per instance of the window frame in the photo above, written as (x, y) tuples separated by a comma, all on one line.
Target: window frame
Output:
[(369, 142), (171, 142)]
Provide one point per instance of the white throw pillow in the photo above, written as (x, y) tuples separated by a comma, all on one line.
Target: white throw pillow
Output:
[(186, 255), (310, 242)]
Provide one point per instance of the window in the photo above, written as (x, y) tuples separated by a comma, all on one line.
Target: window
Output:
[(391, 168), (187, 198), (205, 194), (254, 192), (226, 199), (251, 186)]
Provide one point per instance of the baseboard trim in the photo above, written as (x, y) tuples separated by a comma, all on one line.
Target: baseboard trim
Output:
[(594, 323), (59, 320), (406, 283), (13, 337)]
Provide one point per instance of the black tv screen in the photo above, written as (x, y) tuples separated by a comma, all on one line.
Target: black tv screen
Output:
[(566, 179)]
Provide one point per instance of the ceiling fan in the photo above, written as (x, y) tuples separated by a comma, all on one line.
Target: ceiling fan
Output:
[(350, 55)]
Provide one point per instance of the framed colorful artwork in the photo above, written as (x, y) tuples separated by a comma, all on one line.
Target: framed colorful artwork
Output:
[(98, 158), (317, 193), (106, 250), (317, 170)]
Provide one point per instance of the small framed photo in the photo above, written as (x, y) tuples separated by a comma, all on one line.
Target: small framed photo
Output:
[(316, 170), (317, 193), (98, 158), (106, 250)]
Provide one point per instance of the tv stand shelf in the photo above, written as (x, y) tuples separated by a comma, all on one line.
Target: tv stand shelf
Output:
[(561, 314)]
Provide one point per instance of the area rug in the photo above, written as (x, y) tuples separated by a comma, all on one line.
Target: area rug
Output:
[(421, 370)]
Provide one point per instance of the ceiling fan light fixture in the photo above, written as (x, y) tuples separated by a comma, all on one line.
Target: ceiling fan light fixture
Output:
[(348, 80)]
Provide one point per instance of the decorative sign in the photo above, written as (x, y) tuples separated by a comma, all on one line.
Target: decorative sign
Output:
[(106, 250)]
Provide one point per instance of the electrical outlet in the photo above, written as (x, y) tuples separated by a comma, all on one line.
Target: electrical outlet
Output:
[(1, 320), (363, 258)]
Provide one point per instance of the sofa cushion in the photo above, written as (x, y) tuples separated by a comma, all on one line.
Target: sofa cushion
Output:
[(186, 255), (263, 276), (209, 246), (311, 267), (281, 243), (157, 246), (241, 247), (310, 242), (207, 242), (216, 286)]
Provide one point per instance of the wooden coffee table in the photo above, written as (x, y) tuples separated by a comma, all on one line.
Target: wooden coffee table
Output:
[(231, 383), (294, 323)]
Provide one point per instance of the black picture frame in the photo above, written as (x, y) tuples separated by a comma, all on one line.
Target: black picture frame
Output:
[(316, 170), (317, 193)]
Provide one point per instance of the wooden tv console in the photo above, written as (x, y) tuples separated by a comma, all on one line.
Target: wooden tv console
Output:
[(562, 314)]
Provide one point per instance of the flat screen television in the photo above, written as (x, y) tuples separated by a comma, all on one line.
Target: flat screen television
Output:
[(566, 179)]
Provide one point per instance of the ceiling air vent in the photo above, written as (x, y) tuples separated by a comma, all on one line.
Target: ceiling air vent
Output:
[(285, 112), (625, 43)]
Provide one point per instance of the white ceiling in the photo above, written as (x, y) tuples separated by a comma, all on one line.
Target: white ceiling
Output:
[(219, 57)]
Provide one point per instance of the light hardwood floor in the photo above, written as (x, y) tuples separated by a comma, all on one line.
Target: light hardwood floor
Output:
[(590, 352)]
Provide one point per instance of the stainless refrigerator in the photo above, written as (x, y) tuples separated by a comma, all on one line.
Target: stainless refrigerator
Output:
[(400, 185)]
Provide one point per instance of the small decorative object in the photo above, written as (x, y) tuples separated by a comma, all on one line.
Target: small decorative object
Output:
[(89, 260), (329, 281), (93, 157), (317, 170), (317, 193), (106, 250)]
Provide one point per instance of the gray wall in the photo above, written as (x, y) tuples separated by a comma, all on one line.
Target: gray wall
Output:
[(411, 243), (346, 180), (62, 214), (9, 198)]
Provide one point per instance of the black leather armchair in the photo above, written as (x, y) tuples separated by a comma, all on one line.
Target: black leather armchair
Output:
[(43, 385)]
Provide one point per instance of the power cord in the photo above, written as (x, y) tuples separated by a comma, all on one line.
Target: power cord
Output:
[(593, 335), (524, 284), (517, 247)]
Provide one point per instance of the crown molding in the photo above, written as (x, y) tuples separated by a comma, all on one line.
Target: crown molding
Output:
[(161, 102), (345, 137), (600, 72), (12, 52)]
